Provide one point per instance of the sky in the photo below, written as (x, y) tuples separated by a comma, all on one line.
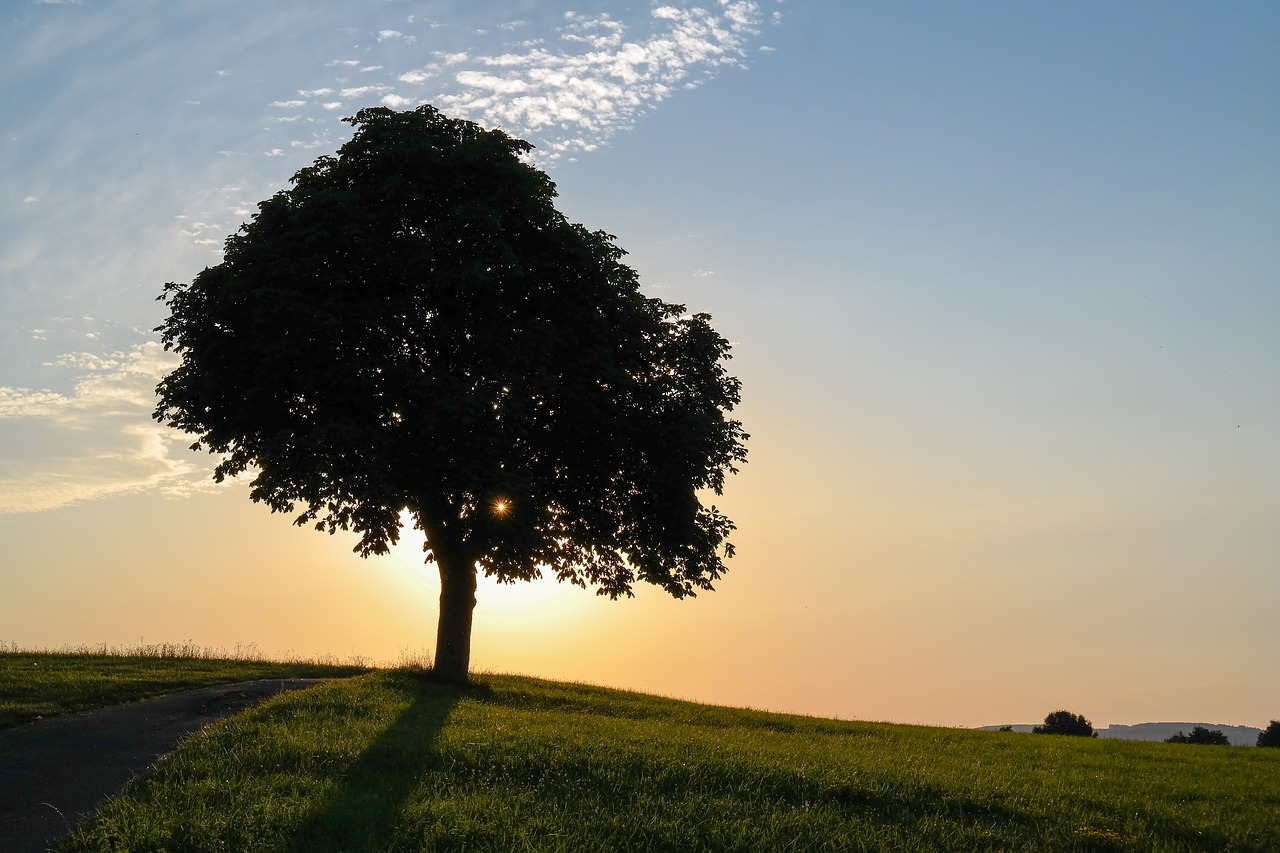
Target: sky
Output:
[(1002, 280)]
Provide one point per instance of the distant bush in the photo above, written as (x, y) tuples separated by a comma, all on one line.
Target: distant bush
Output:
[(1201, 735), (1270, 736), (1065, 723)]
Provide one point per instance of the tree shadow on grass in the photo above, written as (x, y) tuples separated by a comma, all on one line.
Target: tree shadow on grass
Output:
[(362, 813)]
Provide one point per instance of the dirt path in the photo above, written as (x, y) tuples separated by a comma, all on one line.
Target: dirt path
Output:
[(56, 772)]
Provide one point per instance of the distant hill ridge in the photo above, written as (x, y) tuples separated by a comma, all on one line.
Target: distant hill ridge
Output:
[(1238, 735)]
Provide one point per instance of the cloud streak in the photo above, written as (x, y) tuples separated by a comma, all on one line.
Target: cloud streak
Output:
[(567, 84), (97, 441), (597, 80), (579, 81), (594, 77)]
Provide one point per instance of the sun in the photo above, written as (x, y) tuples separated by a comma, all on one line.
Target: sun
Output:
[(501, 505)]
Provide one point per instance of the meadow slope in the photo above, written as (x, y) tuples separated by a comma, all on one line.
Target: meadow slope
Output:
[(45, 683), (392, 761)]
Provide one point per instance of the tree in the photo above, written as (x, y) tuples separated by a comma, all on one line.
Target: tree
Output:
[(1065, 723), (1270, 736), (414, 326), (1201, 735)]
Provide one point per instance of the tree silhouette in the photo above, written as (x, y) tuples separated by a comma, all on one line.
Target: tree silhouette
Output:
[(1201, 735), (1270, 736), (1065, 723), (414, 326)]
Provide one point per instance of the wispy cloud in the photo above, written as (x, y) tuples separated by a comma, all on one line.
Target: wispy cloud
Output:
[(567, 87), (98, 440), (363, 91), (395, 35), (597, 79), (593, 77)]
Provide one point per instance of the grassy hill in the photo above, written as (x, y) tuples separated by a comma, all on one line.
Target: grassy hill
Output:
[(43, 683), (391, 761)]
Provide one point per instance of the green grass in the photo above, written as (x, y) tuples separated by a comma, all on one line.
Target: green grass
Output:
[(45, 683), (391, 761)]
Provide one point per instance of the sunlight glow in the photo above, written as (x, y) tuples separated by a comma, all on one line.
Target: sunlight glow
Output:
[(519, 607)]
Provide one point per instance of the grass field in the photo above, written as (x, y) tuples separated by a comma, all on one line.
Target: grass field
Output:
[(390, 760), (44, 683)]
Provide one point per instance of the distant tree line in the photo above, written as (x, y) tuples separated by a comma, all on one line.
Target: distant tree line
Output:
[(1075, 725), (1065, 723), (1269, 737), (1201, 735)]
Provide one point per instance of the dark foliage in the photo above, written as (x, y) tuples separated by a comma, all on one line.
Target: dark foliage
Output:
[(1065, 723), (1201, 735), (413, 325), (1270, 736)]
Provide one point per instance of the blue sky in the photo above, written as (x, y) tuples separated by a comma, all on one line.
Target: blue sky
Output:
[(1003, 281)]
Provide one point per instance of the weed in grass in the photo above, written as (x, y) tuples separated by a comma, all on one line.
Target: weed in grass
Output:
[(417, 660)]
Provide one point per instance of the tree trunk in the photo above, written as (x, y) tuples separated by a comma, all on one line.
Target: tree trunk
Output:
[(457, 604)]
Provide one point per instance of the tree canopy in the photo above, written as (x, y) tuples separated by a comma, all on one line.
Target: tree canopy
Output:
[(1065, 723), (1270, 736), (412, 325)]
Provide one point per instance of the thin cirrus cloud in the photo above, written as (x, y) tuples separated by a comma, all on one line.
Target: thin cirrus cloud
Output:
[(567, 89), (596, 80), (566, 94), (97, 441), (590, 78), (395, 35)]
